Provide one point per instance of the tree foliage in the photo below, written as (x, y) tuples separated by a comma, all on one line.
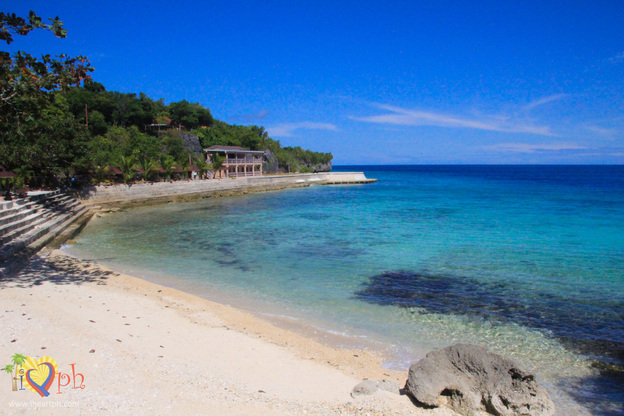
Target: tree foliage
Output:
[(30, 127), (190, 115)]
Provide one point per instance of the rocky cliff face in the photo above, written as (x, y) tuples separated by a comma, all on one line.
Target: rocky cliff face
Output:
[(191, 142), (270, 164), (321, 167)]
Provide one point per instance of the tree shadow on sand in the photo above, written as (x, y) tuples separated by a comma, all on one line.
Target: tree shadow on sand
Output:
[(56, 268)]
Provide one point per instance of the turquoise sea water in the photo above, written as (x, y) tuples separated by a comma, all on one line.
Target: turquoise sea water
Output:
[(527, 260)]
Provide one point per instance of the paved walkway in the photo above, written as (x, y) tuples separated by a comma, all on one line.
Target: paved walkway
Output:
[(30, 193)]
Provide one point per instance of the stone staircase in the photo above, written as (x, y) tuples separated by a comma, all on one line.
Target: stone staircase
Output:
[(28, 224)]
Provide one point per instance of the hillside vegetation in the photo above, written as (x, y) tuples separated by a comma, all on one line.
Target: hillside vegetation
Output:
[(131, 126)]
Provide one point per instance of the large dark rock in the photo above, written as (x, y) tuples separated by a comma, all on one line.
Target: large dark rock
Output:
[(191, 143), (321, 167), (270, 164), (474, 379)]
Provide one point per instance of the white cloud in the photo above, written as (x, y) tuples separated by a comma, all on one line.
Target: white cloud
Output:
[(288, 129), (407, 117), (534, 147), (542, 101), (602, 131), (255, 116)]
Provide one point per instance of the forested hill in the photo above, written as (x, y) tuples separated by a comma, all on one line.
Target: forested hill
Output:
[(124, 124), (89, 129)]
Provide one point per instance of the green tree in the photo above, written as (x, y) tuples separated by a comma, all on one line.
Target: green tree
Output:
[(63, 145), (127, 166), (218, 134), (97, 123), (123, 107), (27, 88), (24, 173), (103, 151), (102, 173), (203, 166), (168, 164), (286, 160), (146, 112), (190, 115), (142, 145), (94, 87), (93, 97), (148, 166), (173, 145), (217, 161)]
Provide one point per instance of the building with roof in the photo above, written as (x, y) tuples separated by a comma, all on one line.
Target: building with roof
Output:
[(239, 162)]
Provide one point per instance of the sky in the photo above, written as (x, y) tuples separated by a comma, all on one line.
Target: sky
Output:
[(372, 82)]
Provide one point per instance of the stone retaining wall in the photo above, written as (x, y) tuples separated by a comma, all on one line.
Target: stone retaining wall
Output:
[(157, 192)]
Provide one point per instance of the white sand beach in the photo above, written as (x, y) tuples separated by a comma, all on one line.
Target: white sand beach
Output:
[(148, 349)]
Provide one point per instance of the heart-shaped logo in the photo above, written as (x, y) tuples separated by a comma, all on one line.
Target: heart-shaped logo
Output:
[(40, 374)]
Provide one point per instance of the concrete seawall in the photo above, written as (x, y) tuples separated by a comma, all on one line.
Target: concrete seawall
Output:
[(159, 192)]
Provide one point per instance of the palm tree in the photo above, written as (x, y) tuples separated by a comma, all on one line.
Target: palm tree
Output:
[(148, 166), (101, 173), (217, 162), (9, 369), (168, 164), (203, 166), (127, 166)]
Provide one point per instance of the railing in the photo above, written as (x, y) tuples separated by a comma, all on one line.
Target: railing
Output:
[(243, 174), (244, 160)]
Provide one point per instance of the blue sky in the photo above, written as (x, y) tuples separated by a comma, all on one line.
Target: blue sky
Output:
[(394, 82)]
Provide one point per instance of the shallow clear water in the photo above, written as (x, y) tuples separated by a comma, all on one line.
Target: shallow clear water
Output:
[(527, 260)]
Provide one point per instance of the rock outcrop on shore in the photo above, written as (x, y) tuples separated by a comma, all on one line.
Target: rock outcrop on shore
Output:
[(370, 387), (473, 379), (321, 167), (270, 164)]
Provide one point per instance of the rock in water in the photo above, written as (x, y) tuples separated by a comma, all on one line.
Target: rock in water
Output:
[(474, 379)]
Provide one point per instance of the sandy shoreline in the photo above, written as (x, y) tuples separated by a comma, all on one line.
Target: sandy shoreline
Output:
[(149, 349)]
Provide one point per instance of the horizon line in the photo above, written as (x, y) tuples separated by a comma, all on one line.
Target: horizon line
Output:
[(484, 164)]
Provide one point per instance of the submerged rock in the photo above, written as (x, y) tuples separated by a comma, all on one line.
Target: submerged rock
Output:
[(370, 387), (474, 379)]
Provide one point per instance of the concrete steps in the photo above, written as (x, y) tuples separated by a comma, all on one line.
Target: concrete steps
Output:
[(28, 224)]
